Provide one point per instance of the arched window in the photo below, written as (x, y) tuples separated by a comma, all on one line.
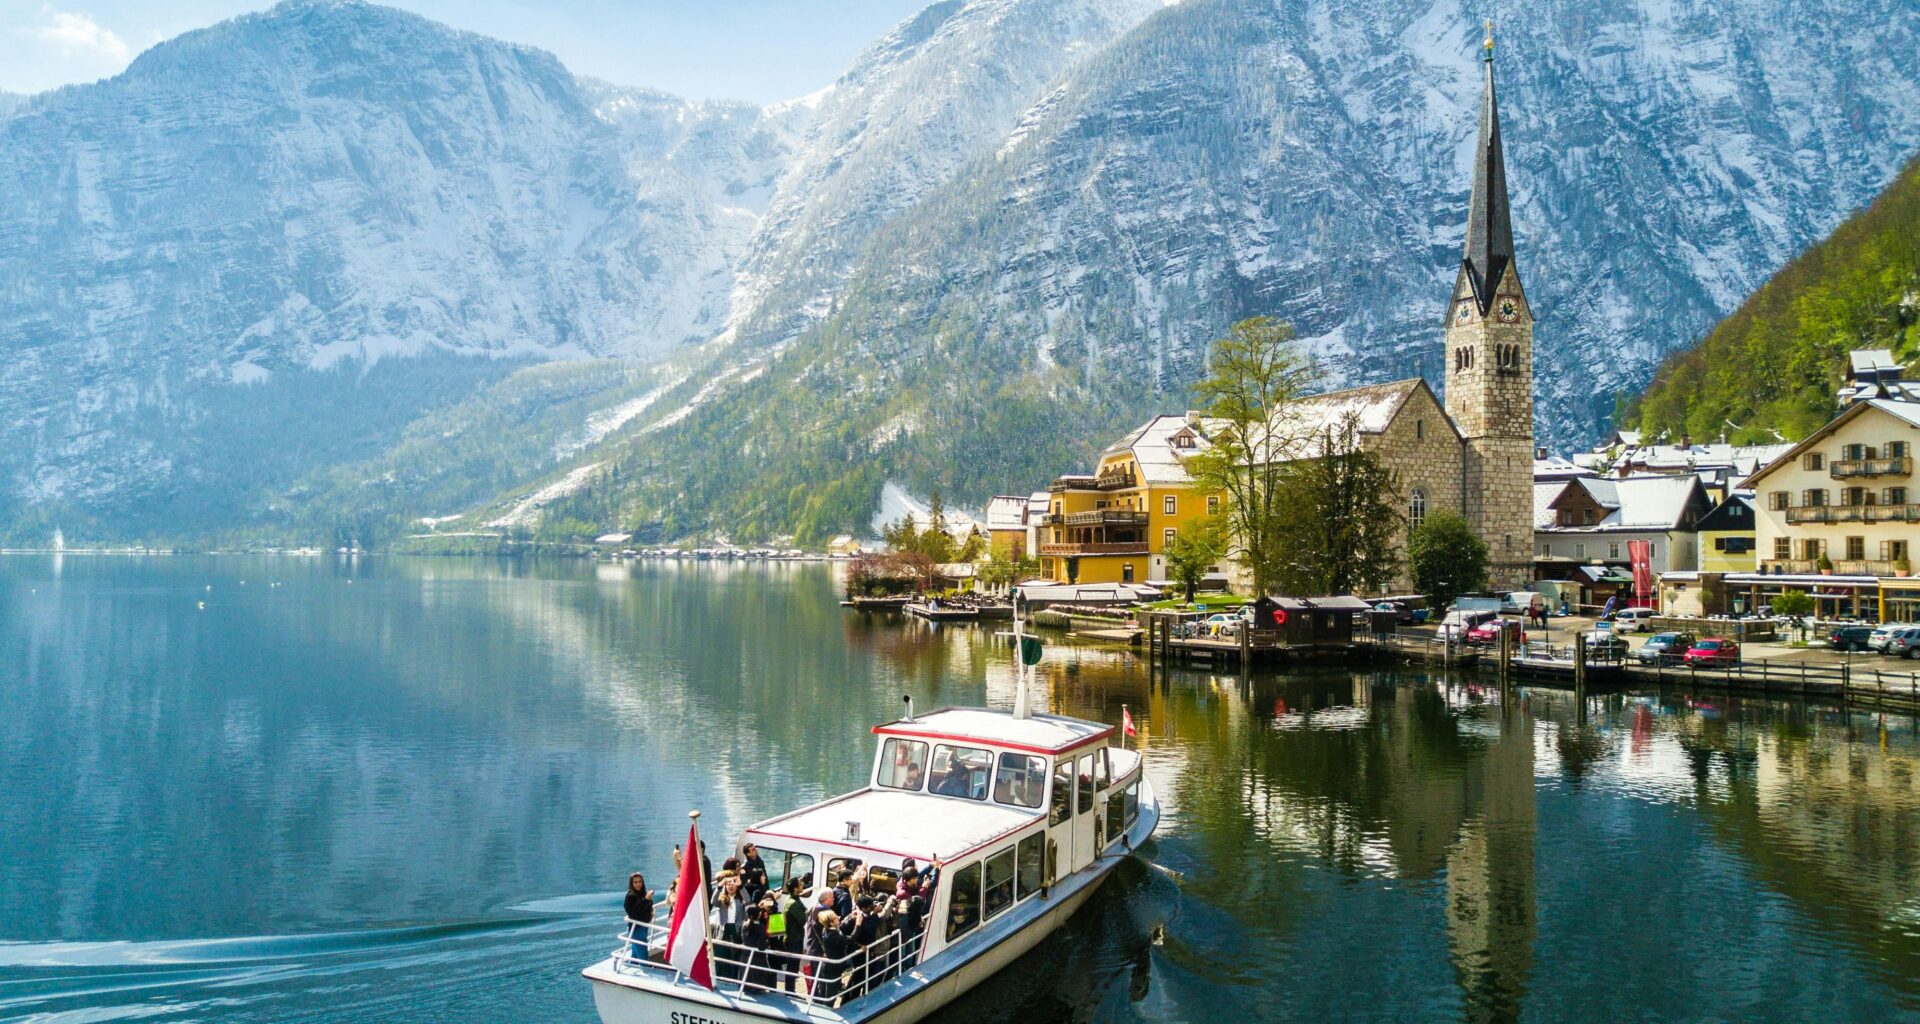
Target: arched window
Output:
[(1416, 508)]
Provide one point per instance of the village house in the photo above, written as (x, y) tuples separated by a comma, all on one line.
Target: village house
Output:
[(1583, 528), (1115, 525), (1007, 527), (1727, 541)]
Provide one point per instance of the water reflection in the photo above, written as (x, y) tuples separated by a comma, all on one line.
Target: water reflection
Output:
[(439, 742)]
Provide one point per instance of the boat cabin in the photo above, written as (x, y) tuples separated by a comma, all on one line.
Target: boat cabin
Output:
[(1006, 806)]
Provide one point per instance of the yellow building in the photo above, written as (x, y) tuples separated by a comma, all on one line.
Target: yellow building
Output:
[(1727, 537), (1115, 525)]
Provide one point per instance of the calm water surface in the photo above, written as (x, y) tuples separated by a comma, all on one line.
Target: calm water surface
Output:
[(410, 790)]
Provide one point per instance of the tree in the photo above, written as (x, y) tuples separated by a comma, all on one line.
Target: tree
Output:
[(1446, 558), (1339, 516), (1794, 604), (997, 573), (1195, 550), (1253, 373)]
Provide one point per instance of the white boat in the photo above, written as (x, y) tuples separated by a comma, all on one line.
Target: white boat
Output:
[(1025, 815)]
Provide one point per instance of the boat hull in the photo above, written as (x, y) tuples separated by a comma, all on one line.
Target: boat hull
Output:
[(627, 998)]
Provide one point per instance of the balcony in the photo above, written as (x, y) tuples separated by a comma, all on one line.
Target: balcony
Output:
[(1843, 468), (1130, 547), (1104, 517), (1116, 481), (1853, 514), (1841, 567)]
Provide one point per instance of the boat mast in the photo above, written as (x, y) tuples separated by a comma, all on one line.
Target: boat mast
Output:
[(1022, 703)]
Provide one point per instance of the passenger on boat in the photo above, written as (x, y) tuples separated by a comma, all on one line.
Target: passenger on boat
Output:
[(784, 927), (728, 920), (753, 872), (914, 776), (639, 908), (754, 936), (834, 946), (839, 899)]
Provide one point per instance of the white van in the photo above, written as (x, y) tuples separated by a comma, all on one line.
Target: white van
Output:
[(1633, 620), (1523, 602)]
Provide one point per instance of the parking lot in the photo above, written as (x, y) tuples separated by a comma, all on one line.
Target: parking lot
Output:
[(1561, 630)]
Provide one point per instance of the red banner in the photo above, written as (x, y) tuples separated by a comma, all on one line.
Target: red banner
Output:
[(1640, 552)]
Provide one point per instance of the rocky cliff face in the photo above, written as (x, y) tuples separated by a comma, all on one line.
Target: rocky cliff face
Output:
[(290, 198)]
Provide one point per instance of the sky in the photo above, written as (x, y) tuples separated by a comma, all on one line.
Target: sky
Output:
[(757, 50)]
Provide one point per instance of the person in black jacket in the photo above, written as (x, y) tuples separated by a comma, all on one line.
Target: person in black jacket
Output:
[(753, 872), (639, 907), (834, 946), (754, 936)]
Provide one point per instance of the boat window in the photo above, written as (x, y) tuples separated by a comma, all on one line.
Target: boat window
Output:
[(1100, 777), (1085, 801), (960, 771), (782, 865), (999, 883), (1116, 814), (837, 866), (903, 764), (1032, 864), (963, 902), (1133, 802), (1062, 792), (1022, 780)]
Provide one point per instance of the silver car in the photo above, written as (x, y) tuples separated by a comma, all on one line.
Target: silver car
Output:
[(1903, 642), (1878, 640)]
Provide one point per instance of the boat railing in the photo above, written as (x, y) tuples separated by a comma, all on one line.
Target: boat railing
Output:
[(805, 978)]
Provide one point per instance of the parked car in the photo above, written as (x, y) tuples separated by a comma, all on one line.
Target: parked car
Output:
[(1633, 620), (1714, 650), (1488, 633), (1878, 641), (1461, 621), (1850, 638), (1523, 602), (1904, 642), (1224, 623), (1665, 648), (1605, 644), (1401, 613)]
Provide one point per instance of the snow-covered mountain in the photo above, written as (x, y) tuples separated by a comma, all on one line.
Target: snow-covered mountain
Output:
[(1009, 228), (324, 186)]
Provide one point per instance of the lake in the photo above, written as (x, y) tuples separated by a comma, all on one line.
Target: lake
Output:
[(278, 789)]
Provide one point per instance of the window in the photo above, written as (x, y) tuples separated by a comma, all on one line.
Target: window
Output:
[(1169, 505), (903, 764), (1126, 573), (1613, 549), (1213, 504), (999, 884), (1417, 508), (1854, 451), (1031, 866), (1100, 779), (1133, 802), (1022, 781), (1777, 500), (1811, 550), (783, 866), (1116, 816), (1897, 449), (1894, 496), (1586, 516), (1062, 804), (1814, 460), (1166, 538), (1579, 551), (1419, 430), (1893, 550), (1814, 497), (960, 771), (1782, 548), (963, 902), (1856, 549), (1083, 803)]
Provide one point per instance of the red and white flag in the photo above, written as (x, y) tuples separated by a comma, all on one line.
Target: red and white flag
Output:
[(687, 936), (1126, 721)]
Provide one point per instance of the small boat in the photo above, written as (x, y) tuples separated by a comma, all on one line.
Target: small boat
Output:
[(943, 612), (1021, 815)]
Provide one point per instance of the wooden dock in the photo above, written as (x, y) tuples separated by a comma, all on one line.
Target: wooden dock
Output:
[(954, 613)]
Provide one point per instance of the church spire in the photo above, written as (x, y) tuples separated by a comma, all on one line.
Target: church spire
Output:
[(1489, 251)]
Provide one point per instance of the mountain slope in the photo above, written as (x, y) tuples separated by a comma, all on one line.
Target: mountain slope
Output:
[(1770, 370), (1308, 160), (254, 214)]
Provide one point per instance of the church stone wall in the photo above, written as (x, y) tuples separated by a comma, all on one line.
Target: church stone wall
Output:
[(1424, 453)]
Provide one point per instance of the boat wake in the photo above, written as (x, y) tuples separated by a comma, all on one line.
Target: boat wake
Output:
[(412, 972)]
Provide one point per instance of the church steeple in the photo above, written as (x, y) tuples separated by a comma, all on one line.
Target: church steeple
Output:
[(1489, 251)]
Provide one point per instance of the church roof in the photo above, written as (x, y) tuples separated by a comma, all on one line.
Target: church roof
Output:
[(1299, 428), (1489, 249)]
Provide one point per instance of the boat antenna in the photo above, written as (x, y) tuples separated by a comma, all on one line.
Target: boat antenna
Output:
[(907, 699)]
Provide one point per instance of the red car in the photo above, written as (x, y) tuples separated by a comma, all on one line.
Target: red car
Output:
[(1714, 650), (1488, 633)]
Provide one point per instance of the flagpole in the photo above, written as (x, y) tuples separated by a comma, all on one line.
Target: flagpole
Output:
[(699, 853)]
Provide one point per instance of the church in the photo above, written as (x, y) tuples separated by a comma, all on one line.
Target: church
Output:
[(1472, 452)]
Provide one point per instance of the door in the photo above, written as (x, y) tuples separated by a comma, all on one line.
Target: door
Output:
[(1060, 821), (1085, 825)]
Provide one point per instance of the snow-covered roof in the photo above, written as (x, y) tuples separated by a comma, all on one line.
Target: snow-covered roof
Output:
[(1298, 429), (1907, 412), (1651, 502), (1006, 512), (1544, 493), (1871, 360), (1154, 448), (1553, 467), (1038, 503)]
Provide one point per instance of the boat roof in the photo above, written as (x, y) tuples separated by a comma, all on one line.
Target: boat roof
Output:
[(1039, 734), (895, 825)]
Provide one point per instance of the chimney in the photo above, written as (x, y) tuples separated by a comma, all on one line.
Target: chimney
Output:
[(1193, 418)]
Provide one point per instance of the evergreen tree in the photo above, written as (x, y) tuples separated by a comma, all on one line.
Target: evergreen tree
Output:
[(1339, 517)]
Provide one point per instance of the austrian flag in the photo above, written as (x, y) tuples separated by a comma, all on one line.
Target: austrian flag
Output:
[(687, 936), (1126, 721)]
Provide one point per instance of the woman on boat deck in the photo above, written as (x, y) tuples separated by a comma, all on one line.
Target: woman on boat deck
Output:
[(639, 908), (834, 946), (760, 976), (728, 920)]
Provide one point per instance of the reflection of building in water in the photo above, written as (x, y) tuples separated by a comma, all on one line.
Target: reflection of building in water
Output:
[(1490, 898)]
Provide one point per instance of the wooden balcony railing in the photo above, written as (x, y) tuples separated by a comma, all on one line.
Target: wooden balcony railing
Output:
[(1854, 514), (1841, 566), (1133, 547), (1106, 517), (1842, 468)]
